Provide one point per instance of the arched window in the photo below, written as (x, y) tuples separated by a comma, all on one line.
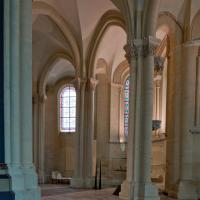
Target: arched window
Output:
[(126, 106), (68, 109)]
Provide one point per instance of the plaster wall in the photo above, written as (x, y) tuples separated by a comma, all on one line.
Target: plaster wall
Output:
[(59, 147)]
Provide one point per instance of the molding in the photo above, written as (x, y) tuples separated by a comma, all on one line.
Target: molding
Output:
[(197, 15), (192, 43), (171, 16), (47, 68), (121, 73), (195, 130)]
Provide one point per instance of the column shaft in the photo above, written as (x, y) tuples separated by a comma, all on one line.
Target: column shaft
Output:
[(15, 82), (78, 179), (41, 152), (91, 85), (142, 187), (2, 150)]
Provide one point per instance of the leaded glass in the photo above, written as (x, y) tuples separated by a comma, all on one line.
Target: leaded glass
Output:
[(126, 105), (68, 109)]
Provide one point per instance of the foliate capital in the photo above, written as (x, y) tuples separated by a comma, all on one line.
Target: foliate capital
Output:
[(93, 83), (80, 83), (133, 51), (149, 46), (141, 48), (159, 63)]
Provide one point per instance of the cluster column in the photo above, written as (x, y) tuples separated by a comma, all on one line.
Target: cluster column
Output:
[(142, 186), (18, 96), (91, 86), (189, 180), (141, 52), (78, 179), (131, 53)]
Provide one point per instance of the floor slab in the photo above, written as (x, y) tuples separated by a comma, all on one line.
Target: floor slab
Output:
[(63, 192)]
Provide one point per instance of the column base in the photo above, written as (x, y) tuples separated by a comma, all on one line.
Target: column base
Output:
[(145, 191), (32, 189), (24, 183), (125, 190), (187, 190)]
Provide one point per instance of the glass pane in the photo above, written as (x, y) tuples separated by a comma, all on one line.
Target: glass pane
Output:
[(65, 112), (126, 105), (68, 109), (65, 102)]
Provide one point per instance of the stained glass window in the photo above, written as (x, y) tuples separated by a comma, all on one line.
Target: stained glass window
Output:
[(126, 105), (68, 109)]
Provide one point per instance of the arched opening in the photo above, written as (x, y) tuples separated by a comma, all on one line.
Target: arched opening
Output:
[(109, 129)]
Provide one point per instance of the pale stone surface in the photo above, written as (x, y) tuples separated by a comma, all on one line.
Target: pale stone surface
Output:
[(64, 192)]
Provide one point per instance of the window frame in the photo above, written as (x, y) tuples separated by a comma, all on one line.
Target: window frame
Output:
[(59, 109)]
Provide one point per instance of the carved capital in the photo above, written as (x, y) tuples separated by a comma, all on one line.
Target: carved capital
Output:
[(132, 51), (92, 83), (120, 87), (149, 46), (42, 98), (80, 83), (159, 63), (140, 47)]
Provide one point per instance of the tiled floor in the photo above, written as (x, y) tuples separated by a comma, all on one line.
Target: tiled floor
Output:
[(61, 192)]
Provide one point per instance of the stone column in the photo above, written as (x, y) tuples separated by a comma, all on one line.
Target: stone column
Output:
[(196, 128), (143, 187), (117, 113), (103, 124), (18, 95), (158, 68), (78, 179), (2, 145), (35, 130), (12, 96), (141, 104), (41, 139), (131, 53), (187, 188), (91, 86), (30, 177)]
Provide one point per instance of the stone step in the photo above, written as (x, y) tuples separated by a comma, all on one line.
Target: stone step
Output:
[(5, 185)]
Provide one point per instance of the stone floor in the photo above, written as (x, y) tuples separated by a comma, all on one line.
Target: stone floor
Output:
[(63, 192)]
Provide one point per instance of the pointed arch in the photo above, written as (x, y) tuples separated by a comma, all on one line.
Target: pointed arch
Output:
[(110, 18), (45, 9)]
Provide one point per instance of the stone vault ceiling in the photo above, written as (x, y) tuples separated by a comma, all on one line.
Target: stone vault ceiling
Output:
[(82, 16)]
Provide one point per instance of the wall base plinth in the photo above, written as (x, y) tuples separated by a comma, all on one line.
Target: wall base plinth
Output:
[(77, 182), (187, 190)]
